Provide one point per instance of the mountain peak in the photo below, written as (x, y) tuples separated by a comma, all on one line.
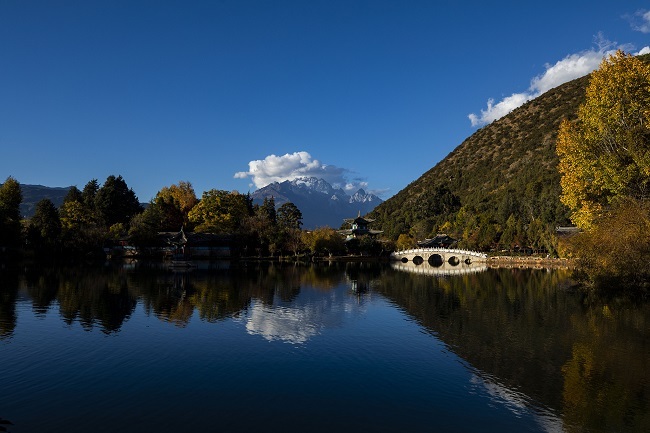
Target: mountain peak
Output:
[(321, 204)]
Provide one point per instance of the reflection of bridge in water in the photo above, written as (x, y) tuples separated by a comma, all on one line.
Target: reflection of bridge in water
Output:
[(439, 261), (427, 269)]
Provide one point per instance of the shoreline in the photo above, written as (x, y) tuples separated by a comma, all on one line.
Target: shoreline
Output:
[(529, 262)]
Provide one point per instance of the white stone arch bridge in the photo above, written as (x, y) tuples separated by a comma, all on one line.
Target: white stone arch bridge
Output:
[(439, 257)]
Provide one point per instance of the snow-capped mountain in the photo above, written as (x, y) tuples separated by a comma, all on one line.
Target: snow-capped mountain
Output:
[(320, 203)]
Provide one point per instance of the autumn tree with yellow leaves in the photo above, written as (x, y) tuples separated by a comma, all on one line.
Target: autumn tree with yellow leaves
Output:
[(605, 154), (605, 166)]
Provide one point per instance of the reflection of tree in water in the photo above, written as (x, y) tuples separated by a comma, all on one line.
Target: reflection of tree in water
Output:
[(166, 295), (42, 285), (8, 294), (93, 296), (220, 294), (584, 358), (361, 275), (173, 297)]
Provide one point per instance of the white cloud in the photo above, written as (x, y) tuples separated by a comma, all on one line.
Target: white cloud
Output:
[(294, 165), (567, 69), (571, 67), (640, 21), (496, 111), (644, 50)]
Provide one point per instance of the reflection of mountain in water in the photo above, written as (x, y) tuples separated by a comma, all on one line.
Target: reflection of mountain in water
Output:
[(521, 330), (304, 317)]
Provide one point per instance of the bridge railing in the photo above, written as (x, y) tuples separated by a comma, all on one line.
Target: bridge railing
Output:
[(441, 250)]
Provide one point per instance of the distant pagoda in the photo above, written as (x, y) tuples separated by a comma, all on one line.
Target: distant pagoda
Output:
[(359, 228)]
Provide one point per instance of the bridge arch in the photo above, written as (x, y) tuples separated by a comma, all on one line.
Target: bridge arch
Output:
[(435, 260), (438, 257)]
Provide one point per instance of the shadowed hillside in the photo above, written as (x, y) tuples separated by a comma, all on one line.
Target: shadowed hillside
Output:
[(500, 188)]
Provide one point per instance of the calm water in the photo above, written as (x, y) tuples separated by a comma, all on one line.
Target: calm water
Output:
[(344, 347)]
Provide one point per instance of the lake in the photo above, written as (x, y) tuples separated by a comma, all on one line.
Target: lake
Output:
[(322, 347)]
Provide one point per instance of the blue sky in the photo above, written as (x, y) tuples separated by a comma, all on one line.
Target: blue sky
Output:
[(235, 94)]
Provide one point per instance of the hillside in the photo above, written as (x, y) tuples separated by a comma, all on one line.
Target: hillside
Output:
[(501, 180), (32, 194)]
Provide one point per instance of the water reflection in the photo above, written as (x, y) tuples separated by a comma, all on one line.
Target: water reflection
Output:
[(578, 362), (8, 296), (310, 309), (445, 269), (585, 357), (519, 403), (106, 297)]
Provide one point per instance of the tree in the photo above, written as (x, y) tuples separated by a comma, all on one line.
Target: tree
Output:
[(116, 202), (624, 263), (292, 241), (89, 193), (268, 210), (10, 198), (605, 167), (145, 226), (219, 211), (289, 216), (605, 154), (45, 226), (324, 240), (289, 220), (73, 195), (405, 242), (175, 203), (81, 228)]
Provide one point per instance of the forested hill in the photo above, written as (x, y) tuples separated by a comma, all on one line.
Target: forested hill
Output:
[(499, 187), (32, 194)]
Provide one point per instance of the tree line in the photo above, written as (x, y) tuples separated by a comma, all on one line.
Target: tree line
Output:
[(99, 216)]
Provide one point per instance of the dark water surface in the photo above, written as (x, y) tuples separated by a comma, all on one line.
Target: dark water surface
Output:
[(341, 347)]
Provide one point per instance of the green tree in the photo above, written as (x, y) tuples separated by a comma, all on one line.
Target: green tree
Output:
[(116, 202), (268, 211), (509, 234), (288, 234), (89, 193), (45, 226), (289, 216), (74, 194), (605, 154), (82, 232), (144, 227), (11, 197), (117, 231)]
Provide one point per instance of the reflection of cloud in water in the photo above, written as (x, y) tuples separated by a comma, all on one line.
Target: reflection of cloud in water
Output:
[(307, 315), (519, 404)]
